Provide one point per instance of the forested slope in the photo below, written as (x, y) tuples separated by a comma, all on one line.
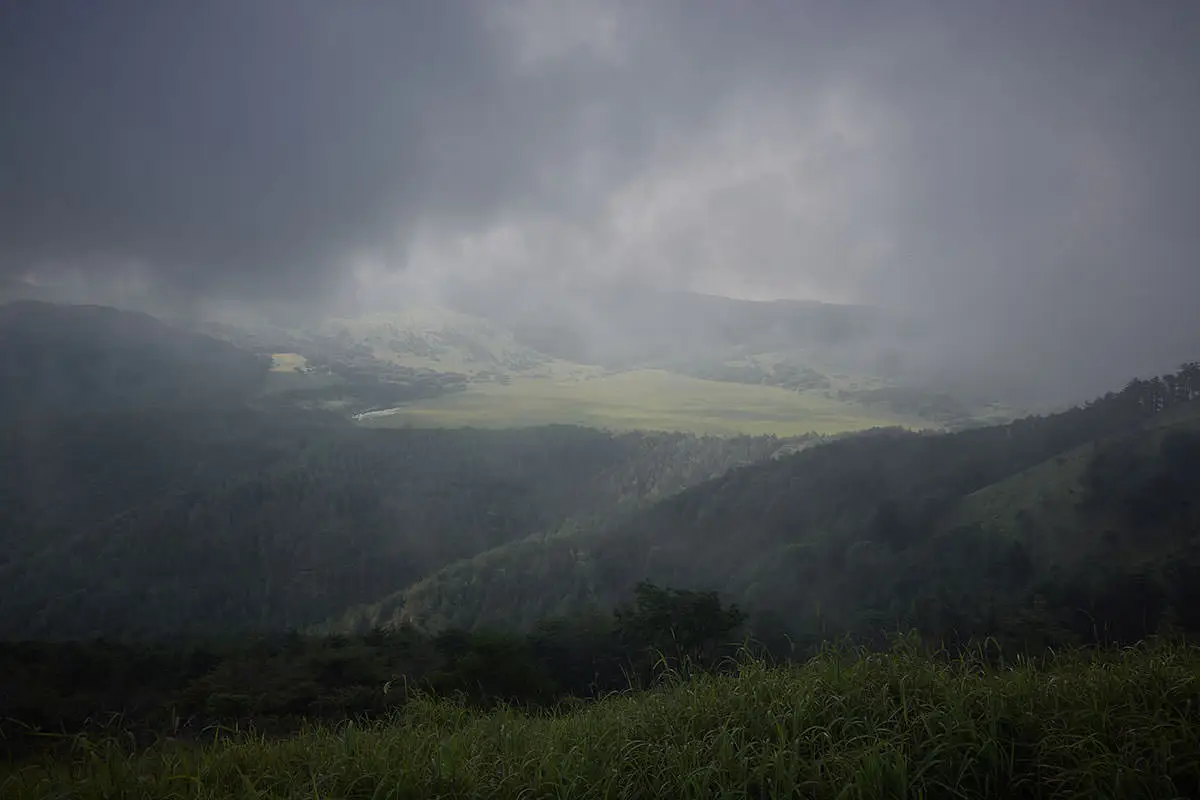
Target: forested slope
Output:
[(59, 359), (226, 521), (893, 529)]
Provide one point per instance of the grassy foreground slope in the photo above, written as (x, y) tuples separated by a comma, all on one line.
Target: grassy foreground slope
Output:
[(1103, 724)]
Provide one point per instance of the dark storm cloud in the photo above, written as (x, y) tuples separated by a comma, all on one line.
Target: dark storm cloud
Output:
[(260, 145), (223, 142), (1022, 174), (231, 143)]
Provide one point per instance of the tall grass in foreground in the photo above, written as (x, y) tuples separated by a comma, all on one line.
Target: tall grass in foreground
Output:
[(1110, 724)]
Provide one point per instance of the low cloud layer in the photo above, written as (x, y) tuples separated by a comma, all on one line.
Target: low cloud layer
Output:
[(1021, 174)]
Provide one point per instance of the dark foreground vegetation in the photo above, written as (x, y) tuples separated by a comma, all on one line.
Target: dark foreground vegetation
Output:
[(280, 683), (669, 696), (905, 723)]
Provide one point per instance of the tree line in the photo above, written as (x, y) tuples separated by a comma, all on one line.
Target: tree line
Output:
[(276, 684)]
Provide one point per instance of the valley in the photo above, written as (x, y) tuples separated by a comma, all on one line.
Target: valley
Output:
[(217, 524), (451, 369), (641, 399), (430, 468)]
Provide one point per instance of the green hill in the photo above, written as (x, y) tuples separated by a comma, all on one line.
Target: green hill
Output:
[(441, 339)]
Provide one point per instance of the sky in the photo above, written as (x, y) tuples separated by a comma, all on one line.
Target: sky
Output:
[(1024, 175)]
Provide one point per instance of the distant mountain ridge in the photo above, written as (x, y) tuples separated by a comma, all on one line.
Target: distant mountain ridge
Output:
[(619, 326), (59, 358)]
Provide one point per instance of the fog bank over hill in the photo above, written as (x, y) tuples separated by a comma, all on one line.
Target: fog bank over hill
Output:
[(627, 325)]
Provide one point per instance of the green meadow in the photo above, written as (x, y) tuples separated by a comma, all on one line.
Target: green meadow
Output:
[(641, 399)]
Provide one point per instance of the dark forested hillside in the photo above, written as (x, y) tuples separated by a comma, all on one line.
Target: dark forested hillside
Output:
[(161, 523), (71, 359), (276, 682), (895, 529)]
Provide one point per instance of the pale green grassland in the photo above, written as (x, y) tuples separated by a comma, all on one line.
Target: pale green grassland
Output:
[(287, 362), (1112, 724), (641, 399)]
